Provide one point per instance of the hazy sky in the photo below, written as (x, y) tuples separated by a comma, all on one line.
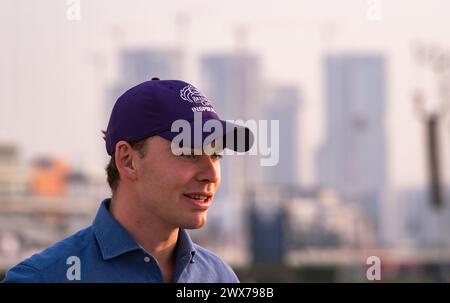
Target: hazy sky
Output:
[(53, 72)]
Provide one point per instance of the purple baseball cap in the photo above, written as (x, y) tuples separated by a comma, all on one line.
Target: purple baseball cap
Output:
[(150, 109)]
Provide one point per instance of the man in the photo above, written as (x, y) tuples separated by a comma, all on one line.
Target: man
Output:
[(159, 189)]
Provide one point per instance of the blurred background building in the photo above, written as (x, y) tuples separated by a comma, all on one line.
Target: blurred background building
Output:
[(139, 65), (352, 159)]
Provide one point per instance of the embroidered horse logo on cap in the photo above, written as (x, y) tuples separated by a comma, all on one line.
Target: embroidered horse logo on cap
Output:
[(191, 94)]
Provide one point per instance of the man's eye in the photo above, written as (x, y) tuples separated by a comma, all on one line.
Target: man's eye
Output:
[(214, 157)]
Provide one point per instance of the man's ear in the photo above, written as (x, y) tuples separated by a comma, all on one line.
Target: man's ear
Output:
[(124, 157)]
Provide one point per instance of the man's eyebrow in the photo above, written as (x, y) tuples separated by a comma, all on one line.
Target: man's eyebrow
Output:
[(191, 151), (183, 149)]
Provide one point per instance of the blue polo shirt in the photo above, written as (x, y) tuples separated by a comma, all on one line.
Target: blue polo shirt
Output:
[(105, 252)]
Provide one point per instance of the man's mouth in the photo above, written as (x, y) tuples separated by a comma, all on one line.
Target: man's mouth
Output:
[(199, 196), (201, 200)]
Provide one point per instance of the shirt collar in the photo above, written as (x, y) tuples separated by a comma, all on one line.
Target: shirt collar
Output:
[(114, 240), (112, 237), (184, 253), (185, 247)]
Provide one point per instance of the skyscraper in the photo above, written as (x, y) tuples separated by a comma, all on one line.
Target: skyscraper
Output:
[(352, 159), (139, 65), (283, 105)]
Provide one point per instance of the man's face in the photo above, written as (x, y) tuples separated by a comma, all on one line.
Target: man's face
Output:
[(176, 190)]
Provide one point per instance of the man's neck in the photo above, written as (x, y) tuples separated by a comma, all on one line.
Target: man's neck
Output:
[(155, 237)]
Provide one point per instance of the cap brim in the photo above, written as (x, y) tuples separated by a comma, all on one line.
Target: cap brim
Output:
[(232, 136)]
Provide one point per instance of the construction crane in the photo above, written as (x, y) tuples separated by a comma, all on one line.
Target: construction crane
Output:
[(439, 62)]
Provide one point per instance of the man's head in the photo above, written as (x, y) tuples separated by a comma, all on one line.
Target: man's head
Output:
[(177, 189)]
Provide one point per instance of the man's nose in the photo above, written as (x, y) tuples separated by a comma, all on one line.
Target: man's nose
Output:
[(210, 170)]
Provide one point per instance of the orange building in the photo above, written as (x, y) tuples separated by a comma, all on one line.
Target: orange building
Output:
[(49, 177)]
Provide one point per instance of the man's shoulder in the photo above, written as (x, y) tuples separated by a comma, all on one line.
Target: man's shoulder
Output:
[(215, 264), (52, 259)]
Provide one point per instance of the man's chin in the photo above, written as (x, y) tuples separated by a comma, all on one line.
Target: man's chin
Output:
[(196, 225)]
